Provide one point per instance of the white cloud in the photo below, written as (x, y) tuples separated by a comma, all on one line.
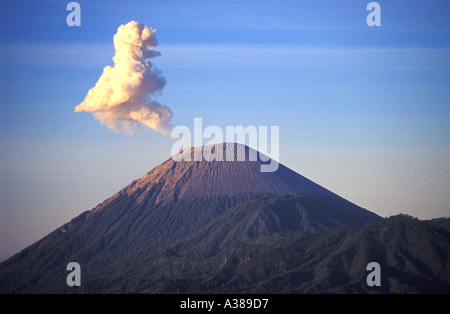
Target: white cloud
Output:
[(121, 98)]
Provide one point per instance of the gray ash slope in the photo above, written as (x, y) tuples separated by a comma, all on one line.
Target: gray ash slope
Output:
[(195, 208), (180, 179)]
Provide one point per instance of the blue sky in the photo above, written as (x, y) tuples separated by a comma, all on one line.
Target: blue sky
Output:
[(362, 110)]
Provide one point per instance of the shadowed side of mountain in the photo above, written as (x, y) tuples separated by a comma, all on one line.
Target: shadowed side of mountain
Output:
[(122, 230), (126, 231), (413, 256), (275, 214)]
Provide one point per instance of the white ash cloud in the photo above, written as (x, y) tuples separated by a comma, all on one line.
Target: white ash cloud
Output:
[(122, 97)]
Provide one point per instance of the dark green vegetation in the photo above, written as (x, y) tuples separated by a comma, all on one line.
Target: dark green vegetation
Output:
[(183, 228)]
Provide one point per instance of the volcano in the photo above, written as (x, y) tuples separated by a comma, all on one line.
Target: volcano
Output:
[(180, 199), (182, 208)]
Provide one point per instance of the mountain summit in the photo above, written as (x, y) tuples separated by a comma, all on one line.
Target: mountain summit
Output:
[(192, 174), (196, 208)]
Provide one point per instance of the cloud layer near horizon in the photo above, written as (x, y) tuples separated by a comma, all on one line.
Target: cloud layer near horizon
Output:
[(121, 98)]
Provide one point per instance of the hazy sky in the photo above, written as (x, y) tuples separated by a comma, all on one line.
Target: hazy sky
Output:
[(363, 111)]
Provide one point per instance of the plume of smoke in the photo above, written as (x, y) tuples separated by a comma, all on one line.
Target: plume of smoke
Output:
[(121, 98)]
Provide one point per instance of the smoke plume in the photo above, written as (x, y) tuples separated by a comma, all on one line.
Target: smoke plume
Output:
[(121, 98)]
